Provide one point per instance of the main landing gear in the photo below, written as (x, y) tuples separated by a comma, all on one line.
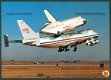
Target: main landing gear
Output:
[(75, 48), (65, 48)]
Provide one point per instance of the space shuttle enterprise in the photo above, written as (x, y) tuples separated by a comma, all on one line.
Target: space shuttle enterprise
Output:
[(59, 27), (56, 36)]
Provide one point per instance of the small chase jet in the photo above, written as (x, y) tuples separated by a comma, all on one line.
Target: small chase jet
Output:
[(62, 42), (59, 27)]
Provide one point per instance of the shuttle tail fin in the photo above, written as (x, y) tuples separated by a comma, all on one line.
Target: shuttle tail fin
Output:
[(49, 16)]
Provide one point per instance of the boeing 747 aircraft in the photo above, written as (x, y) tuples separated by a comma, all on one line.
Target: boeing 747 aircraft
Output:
[(62, 42)]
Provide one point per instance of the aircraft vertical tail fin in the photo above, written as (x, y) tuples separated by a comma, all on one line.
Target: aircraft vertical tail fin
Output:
[(49, 16), (28, 34), (26, 31)]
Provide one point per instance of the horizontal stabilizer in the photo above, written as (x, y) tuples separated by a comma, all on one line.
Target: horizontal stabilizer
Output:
[(6, 41), (15, 41)]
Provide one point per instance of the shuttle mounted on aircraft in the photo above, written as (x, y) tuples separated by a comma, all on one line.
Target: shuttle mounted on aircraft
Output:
[(62, 42)]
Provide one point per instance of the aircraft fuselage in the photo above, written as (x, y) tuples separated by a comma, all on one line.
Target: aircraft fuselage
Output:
[(67, 39), (62, 26)]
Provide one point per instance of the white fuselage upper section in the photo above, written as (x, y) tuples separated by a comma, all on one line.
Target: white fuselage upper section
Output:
[(62, 26)]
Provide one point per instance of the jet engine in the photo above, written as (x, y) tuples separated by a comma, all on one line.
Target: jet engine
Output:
[(92, 42)]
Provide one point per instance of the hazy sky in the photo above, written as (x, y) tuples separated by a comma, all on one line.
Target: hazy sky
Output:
[(35, 18)]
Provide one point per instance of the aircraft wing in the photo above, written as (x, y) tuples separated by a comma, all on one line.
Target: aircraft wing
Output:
[(77, 42)]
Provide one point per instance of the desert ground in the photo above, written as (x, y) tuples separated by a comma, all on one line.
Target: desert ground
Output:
[(54, 69)]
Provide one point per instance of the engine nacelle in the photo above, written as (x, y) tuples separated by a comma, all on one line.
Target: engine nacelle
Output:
[(88, 43), (97, 41), (92, 42)]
